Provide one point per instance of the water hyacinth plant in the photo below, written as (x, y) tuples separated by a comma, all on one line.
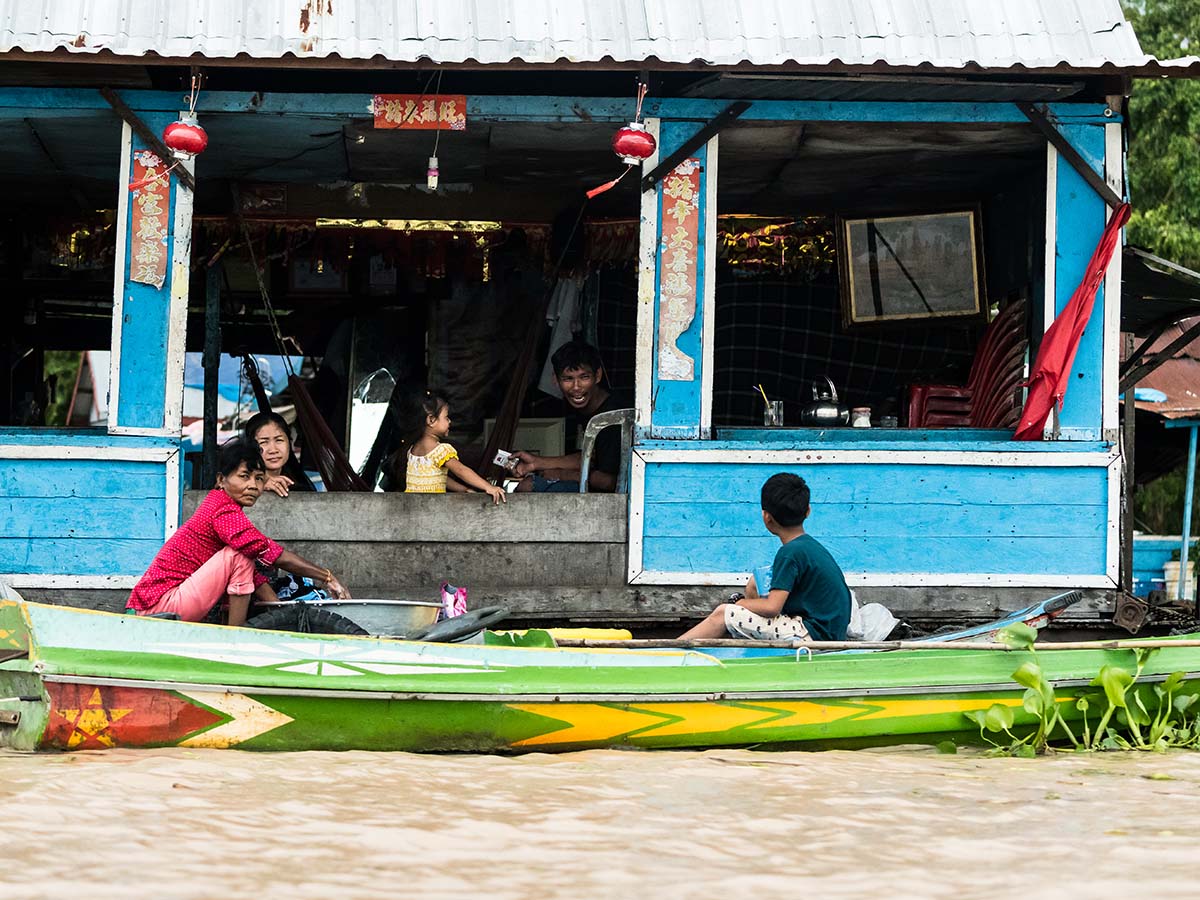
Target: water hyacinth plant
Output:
[(1128, 714)]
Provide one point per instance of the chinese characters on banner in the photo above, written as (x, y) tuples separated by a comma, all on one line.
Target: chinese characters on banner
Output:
[(420, 113), (677, 269), (148, 212)]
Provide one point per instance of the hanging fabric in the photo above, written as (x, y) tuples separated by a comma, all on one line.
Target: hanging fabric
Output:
[(1052, 370), (564, 318)]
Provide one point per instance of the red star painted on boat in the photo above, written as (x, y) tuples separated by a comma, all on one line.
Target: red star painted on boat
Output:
[(86, 717)]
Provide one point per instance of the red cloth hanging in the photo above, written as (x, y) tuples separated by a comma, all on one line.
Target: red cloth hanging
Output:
[(1051, 371)]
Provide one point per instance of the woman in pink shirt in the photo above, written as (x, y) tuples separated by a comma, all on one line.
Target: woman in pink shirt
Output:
[(213, 553)]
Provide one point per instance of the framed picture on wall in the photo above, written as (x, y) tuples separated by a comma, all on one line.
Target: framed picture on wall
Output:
[(911, 267)]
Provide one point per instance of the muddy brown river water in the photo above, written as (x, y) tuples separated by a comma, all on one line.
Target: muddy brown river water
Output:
[(724, 823)]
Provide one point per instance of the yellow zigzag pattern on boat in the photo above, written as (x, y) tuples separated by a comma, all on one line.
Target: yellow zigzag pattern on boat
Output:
[(603, 723)]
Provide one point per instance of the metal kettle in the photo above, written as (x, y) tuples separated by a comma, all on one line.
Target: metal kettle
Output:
[(825, 409)]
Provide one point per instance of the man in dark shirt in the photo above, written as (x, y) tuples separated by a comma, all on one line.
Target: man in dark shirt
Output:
[(808, 597), (579, 373)]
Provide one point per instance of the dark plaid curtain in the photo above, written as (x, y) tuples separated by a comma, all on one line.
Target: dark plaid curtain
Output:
[(615, 289), (784, 332)]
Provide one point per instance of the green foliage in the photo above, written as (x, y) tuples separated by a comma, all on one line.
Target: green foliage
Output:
[(62, 366), (1017, 636), (1158, 506), (1164, 147), (1131, 717)]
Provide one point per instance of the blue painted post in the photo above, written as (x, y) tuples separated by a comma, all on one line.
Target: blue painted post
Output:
[(1080, 222), (154, 225), (682, 269), (1180, 588)]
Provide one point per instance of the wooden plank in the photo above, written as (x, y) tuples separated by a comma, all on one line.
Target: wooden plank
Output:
[(79, 438), (78, 556), (836, 483), (985, 555), (455, 518), (884, 520), (675, 606), (67, 517), (386, 563), (20, 101), (82, 479)]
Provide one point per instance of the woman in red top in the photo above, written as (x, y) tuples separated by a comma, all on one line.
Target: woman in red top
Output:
[(213, 553)]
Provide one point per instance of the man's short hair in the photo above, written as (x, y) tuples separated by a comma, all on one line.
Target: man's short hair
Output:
[(575, 355), (237, 451), (786, 497)]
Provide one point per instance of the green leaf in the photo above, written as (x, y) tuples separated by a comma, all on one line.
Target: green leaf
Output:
[(1114, 742), (1029, 674), (1116, 682), (1183, 702), (1017, 636), (947, 747), (1033, 702), (978, 716), (1026, 751), (1137, 710), (1082, 704), (998, 718), (1173, 683)]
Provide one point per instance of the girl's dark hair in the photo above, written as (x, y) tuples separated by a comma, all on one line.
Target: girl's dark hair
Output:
[(258, 420), (236, 451), (422, 405), (403, 426)]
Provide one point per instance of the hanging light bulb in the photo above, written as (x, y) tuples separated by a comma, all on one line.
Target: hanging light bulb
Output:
[(431, 174)]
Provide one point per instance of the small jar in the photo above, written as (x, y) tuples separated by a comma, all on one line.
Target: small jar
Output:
[(888, 422), (860, 417)]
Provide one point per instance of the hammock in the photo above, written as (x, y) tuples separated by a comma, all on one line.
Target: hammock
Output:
[(319, 442), (335, 468)]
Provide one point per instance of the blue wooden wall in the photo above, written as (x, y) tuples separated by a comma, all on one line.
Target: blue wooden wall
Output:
[(81, 516), (884, 518)]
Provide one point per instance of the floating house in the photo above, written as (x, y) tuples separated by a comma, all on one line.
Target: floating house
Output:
[(843, 198)]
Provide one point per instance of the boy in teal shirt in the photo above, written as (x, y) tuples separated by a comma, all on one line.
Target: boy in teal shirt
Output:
[(808, 598)]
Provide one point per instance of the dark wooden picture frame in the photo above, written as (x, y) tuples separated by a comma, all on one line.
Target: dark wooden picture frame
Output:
[(911, 267)]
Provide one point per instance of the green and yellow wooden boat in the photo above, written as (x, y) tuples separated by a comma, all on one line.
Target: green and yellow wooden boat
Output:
[(73, 680)]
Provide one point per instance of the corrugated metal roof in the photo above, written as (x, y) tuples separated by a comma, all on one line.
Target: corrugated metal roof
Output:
[(942, 34)]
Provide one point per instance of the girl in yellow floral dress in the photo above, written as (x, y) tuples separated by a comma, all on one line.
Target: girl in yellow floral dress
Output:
[(431, 459)]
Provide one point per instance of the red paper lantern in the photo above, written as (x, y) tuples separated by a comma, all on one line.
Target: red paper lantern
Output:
[(633, 143), (185, 138)]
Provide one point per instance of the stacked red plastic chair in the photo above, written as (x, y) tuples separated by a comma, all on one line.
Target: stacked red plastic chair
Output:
[(991, 398)]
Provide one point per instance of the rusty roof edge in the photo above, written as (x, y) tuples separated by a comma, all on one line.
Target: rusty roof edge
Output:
[(1187, 67)]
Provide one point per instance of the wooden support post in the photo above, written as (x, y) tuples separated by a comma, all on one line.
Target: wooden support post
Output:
[(150, 294), (693, 143), (1135, 374), (148, 137), (1127, 438), (1070, 154), (1189, 485), (212, 364)]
